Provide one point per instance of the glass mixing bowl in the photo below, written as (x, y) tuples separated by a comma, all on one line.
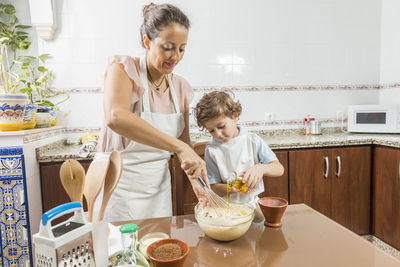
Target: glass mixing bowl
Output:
[(223, 226)]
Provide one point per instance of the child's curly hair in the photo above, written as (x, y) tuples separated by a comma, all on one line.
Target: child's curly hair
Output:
[(215, 104)]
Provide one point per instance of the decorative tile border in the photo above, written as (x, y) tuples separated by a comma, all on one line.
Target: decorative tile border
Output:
[(50, 133), (298, 122), (82, 129), (42, 135), (14, 212), (265, 88), (84, 91)]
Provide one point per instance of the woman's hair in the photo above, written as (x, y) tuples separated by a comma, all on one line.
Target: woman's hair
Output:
[(215, 104), (157, 17)]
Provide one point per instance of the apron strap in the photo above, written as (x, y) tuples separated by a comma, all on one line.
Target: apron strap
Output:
[(145, 83), (174, 99)]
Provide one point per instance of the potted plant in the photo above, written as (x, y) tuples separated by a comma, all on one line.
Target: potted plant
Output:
[(37, 80), (12, 38)]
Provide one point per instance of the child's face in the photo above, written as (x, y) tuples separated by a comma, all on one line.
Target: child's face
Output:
[(222, 128)]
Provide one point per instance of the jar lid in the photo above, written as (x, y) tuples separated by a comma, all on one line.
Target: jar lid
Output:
[(128, 228), (43, 110)]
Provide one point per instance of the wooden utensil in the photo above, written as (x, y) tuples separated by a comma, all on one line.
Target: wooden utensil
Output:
[(95, 176), (112, 178), (72, 176)]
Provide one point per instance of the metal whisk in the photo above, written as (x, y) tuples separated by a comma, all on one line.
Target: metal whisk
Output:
[(220, 205)]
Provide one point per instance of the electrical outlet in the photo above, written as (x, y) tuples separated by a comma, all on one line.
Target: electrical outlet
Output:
[(340, 114), (269, 116)]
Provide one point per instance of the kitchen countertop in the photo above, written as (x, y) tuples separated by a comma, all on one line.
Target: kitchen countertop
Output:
[(306, 238), (281, 139)]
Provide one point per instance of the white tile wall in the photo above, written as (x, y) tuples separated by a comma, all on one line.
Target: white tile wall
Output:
[(390, 50), (235, 43)]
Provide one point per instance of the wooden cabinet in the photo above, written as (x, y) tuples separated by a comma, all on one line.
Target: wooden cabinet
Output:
[(53, 193), (184, 199), (335, 182), (278, 186), (386, 195)]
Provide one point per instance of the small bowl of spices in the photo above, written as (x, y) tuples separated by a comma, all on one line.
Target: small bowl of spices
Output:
[(170, 252)]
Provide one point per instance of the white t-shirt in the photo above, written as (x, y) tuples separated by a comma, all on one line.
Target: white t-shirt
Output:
[(240, 153)]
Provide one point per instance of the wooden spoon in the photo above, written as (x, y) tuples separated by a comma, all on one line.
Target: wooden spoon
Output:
[(72, 176), (95, 176), (111, 181)]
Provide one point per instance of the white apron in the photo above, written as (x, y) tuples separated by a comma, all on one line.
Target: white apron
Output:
[(144, 190), (237, 155)]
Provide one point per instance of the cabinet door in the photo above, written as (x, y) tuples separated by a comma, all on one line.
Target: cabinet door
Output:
[(53, 193), (278, 186), (351, 188), (386, 195), (310, 181)]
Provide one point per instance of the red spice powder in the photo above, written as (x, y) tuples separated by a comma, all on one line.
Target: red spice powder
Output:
[(167, 252)]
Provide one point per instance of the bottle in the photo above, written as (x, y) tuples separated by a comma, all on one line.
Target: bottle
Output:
[(129, 236), (239, 184), (307, 125)]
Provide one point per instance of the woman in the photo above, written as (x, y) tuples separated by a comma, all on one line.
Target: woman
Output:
[(146, 110)]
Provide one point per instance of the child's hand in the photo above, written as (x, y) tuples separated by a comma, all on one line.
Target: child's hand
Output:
[(236, 190), (252, 176)]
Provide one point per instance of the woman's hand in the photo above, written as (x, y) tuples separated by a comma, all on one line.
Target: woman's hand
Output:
[(192, 164), (253, 176)]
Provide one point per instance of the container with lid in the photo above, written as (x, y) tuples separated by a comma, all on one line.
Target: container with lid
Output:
[(129, 234), (43, 118), (315, 126)]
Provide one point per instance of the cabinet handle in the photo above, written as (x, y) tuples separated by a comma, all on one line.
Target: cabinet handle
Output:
[(399, 168), (339, 168), (326, 167)]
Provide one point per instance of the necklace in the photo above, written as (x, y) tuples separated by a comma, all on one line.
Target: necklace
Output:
[(157, 86)]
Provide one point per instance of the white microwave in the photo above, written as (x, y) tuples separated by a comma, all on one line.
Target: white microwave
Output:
[(374, 119)]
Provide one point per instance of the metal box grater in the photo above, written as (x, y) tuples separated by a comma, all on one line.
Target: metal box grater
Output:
[(66, 244)]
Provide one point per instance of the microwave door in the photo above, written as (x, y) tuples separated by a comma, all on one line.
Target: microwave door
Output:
[(371, 118)]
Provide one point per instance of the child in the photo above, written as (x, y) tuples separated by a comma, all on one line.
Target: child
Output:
[(233, 149)]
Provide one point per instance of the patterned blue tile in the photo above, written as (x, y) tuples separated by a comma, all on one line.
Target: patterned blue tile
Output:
[(14, 215)]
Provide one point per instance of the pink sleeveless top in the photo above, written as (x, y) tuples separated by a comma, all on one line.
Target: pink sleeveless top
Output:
[(160, 102)]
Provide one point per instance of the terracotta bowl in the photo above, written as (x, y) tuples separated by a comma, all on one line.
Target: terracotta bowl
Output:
[(273, 209), (177, 262)]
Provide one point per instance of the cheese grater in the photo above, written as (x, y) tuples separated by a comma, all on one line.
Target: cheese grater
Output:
[(68, 244)]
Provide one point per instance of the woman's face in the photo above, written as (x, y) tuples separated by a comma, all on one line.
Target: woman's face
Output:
[(166, 50)]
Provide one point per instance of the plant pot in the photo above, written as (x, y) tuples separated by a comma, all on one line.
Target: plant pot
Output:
[(29, 116), (53, 113), (43, 118), (12, 108)]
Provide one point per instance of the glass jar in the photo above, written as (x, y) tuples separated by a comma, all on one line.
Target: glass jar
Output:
[(129, 236), (43, 118)]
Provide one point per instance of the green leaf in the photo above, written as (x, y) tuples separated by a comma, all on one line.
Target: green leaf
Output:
[(23, 26), (43, 57), (9, 9), (26, 58), (21, 33), (45, 103), (42, 69), (15, 21)]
